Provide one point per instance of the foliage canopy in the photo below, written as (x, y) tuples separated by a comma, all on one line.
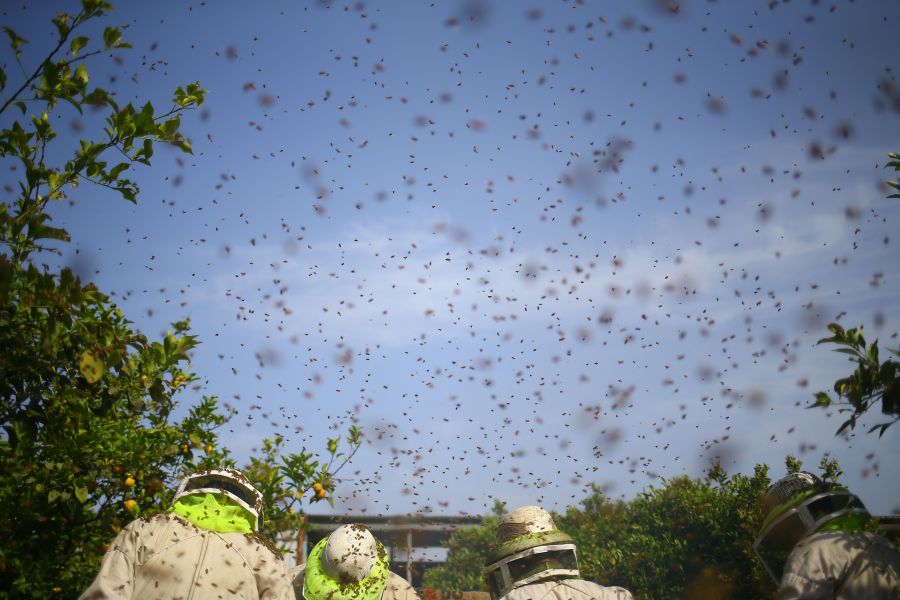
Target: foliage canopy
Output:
[(685, 538), (91, 435)]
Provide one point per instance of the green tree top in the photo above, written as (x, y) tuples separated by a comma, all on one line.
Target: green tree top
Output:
[(129, 135)]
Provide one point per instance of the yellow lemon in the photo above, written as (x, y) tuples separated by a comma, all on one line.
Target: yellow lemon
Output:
[(131, 505), (129, 481), (319, 489)]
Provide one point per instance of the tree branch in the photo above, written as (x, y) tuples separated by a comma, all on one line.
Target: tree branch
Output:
[(37, 72)]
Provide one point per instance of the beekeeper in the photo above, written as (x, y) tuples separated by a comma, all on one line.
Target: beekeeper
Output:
[(814, 543), (206, 546), (350, 564), (533, 560)]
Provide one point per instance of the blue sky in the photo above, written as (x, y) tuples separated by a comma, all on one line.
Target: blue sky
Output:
[(527, 247)]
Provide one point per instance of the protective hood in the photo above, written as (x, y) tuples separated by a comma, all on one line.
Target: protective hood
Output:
[(318, 585), (224, 482), (802, 515), (530, 558), (214, 512)]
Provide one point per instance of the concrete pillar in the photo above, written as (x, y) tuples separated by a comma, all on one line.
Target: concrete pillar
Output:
[(409, 556)]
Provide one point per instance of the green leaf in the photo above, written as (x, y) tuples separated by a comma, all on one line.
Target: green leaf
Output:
[(849, 351), (156, 391), (61, 20), (873, 353), (882, 427), (143, 121), (851, 423), (145, 153), (39, 231), (111, 36), (822, 399), (193, 96), (77, 44), (184, 146), (15, 40), (888, 372), (81, 493), (99, 97), (91, 366), (169, 127), (42, 127), (75, 103), (117, 170), (129, 194), (836, 329), (81, 75), (95, 7)]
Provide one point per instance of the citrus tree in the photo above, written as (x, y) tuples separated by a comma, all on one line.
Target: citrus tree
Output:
[(688, 538), (873, 381), (285, 479), (89, 436)]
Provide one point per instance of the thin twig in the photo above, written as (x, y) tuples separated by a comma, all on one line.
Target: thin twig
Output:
[(37, 72)]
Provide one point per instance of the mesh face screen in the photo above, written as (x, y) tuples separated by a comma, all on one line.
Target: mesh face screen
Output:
[(773, 549), (542, 561), (495, 583), (786, 534), (783, 533), (832, 504), (225, 485)]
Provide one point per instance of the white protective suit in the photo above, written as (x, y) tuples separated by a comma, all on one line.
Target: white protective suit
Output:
[(566, 589), (165, 557), (396, 588), (841, 565)]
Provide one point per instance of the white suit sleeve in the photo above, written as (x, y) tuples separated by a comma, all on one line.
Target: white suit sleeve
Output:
[(812, 570), (397, 588), (272, 580), (798, 587), (116, 576)]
